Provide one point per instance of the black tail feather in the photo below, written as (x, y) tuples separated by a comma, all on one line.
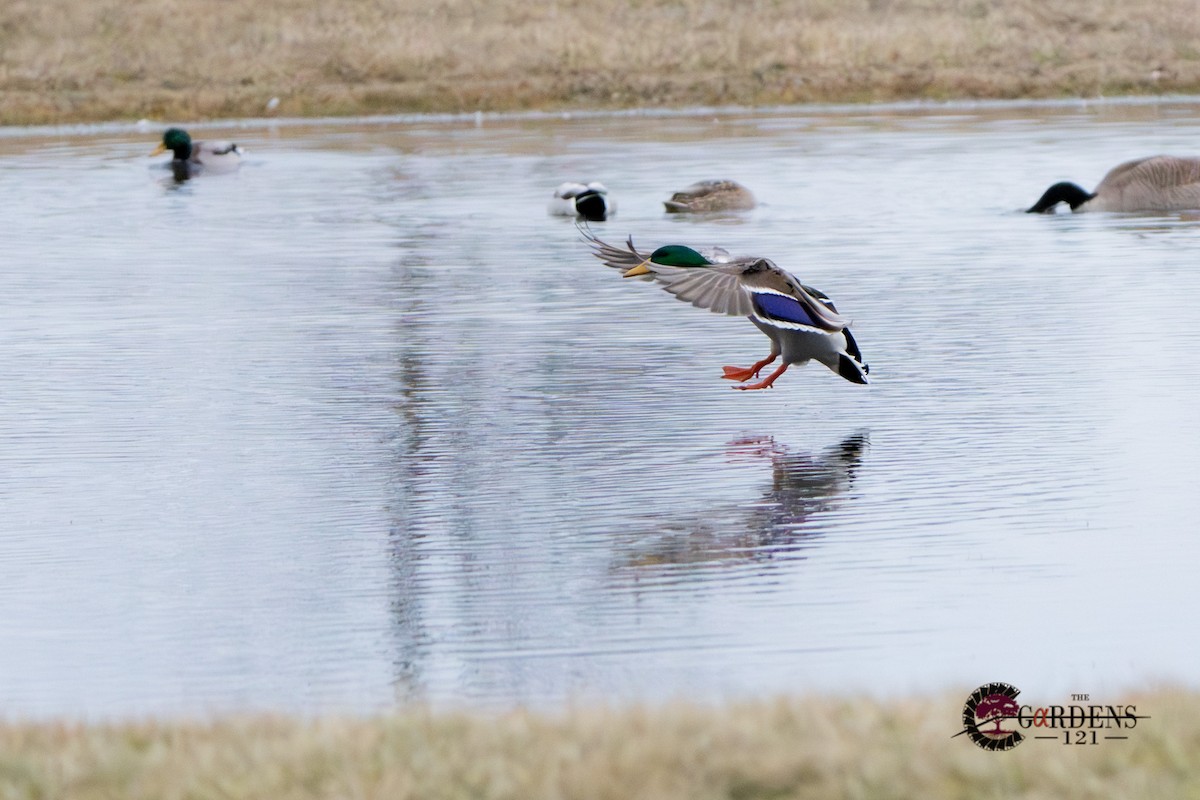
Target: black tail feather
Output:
[(852, 370), (852, 345)]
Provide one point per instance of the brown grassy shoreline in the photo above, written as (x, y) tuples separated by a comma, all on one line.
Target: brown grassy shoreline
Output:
[(790, 748), (64, 61)]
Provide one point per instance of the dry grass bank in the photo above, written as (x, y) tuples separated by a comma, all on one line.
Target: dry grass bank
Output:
[(64, 60), (789, 749)]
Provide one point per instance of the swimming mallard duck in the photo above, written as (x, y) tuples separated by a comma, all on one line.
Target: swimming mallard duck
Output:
[(800, 321), (1157, 183), (711, 196), (588, 201), (196, 156)]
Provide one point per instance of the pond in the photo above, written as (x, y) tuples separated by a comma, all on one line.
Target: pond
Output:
[(362, 425)]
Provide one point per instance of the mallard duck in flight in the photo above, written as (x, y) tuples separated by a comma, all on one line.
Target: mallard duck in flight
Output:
[(196, 156), (800, 321)]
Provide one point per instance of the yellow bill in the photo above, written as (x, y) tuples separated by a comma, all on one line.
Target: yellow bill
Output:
[(162, 148), (640, 269)]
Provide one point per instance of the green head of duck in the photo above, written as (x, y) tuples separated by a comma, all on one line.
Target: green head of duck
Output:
[(178, 142), (670, 255), (677, 255)]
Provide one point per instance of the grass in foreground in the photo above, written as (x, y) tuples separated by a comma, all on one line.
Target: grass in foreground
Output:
[(798, 748), (63, 60)]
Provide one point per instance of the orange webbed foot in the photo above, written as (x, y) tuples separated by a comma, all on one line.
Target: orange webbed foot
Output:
[(746, 373), (738, 373), (765, 383)]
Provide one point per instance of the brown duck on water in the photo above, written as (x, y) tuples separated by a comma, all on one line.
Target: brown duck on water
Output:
[(711, 196)]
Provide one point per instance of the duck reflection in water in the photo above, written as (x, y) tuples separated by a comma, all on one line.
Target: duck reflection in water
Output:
[(779, 523)]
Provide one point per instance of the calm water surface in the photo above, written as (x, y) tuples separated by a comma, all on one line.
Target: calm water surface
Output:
[(362, 425)]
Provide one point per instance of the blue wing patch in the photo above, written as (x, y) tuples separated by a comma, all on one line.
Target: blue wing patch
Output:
[(780, 309)]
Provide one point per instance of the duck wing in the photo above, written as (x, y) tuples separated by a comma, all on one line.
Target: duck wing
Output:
[(717, 288), (800, 311), (622, 258), (201, 149), (821, 296)]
